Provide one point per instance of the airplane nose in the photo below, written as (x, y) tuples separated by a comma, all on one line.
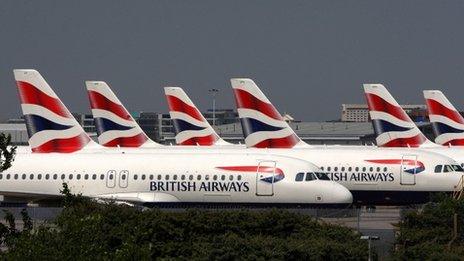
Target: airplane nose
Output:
[(341, 195)]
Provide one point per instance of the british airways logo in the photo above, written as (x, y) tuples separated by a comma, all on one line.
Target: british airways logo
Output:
[(409, 166), (270, 174)]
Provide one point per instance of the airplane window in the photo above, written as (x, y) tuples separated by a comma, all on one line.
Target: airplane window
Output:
[(182, 177), (167, 177), (328, 168), (86, 176), (343, 168), (447, 168), (191, 177), (62, 176), (322, 168), (135, 177), (356, 169), (16, 176), (378, 169), (78, 176), (350, 169), (385, 169), (7, 176), (1, 176), (215, 177), (371, 169), (199, 177), (47, 176), (94, 176), (70, 176), (31, 176), (151, 177), (102, 176), (310, 176), (322, 176), (206, 177), (39, 176), (159, 177), (364, 169), (457, 168), (175, 177), (143, 176), (438, 168), (239, 177), (336, 169), (231, 177), (24, 176), (223, 177), (299, 176)]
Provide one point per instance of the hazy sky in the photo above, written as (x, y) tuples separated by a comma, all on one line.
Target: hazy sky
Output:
[(308, 56)]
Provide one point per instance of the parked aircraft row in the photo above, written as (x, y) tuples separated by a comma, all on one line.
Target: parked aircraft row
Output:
[(274, 167)]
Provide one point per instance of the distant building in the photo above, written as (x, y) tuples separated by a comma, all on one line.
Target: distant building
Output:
[(222, 116), (17, 131), (360, 112)]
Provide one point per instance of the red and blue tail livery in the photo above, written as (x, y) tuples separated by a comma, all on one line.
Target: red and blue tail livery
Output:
[(393, 127), (262, 124), (190, 125), (50, 126), (115, 126), (447, 122), (270, 174)]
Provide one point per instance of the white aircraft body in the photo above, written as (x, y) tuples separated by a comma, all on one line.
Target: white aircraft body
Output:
[(170, 178)]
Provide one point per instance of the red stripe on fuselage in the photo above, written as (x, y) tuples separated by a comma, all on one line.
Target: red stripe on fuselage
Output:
[(99, 101), (439, 109), (176, 104), (264, 169), (29, 94), (377, 103), (246, 100)]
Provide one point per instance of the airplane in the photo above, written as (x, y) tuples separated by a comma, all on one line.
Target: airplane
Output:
[(447, 122), (375, 176), (394, 128), (115, 125), (190, 125), (63, 153)]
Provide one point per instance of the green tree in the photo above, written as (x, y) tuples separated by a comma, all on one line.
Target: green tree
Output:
[(7, 152)]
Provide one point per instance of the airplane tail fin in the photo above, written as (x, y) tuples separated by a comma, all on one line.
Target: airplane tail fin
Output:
[(50, 125), (115, 126), (262, 124), (447, 122), (190, 125), (393, 127)]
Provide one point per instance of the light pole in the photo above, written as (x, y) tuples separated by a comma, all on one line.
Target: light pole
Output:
[(369, 238), (213, 93)]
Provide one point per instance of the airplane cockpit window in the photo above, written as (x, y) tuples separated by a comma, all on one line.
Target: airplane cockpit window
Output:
[(457, 168), (299, 176), (310, 176), (322, 176), (438, 168), (447, 168)]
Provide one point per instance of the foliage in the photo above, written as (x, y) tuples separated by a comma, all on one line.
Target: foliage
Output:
[(427, 233), (7, 152), (91, 231)]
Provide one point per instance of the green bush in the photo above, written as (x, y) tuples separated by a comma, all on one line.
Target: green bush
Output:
[(91, 231)]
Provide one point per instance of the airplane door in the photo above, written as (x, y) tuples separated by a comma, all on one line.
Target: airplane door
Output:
[(408, 169), (265, 175), (111, 178), (123, 178)]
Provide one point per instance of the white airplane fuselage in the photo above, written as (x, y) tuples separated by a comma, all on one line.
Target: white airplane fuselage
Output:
[(169, 178)]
